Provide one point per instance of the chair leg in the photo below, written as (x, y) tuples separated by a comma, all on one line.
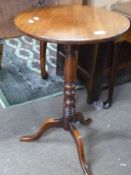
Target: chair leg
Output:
[(90, 87), (43, 46), (1, 50), (113, 73)]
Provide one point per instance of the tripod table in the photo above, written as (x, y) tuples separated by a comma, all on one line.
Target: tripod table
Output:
[(71, 26)]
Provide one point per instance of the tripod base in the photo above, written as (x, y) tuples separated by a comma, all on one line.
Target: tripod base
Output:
[(51, 122)]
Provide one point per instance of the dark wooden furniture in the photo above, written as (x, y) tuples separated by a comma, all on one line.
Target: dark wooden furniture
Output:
[(119, 63), (70, 26)]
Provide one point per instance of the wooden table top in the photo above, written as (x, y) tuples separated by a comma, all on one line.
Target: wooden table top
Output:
[(123, 8), (75, 24)]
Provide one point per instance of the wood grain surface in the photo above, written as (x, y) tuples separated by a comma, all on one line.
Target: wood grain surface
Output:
[(74, 24)]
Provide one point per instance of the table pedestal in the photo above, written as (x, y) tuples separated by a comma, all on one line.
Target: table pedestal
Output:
[(69, 115)]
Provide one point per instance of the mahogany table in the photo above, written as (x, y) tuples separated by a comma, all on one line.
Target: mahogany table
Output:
[(70, 26)]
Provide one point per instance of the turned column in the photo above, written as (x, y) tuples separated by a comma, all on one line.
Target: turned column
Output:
[(69, 85)]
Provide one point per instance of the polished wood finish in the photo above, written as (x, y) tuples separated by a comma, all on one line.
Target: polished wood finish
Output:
[(88, 68), (69, 114), (49, 123), (63, 18), (80, 148), (43, 45), (69, 86), (70, 25)]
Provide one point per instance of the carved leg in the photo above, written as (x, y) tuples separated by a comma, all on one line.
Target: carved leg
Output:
[(112, 77), (49, 123), (43, 45), (79, 143), (79, 117), (1, 50)]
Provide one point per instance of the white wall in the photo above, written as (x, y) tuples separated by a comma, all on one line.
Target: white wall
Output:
[(106, 3)]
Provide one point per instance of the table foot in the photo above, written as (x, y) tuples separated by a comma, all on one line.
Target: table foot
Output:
[(107, 104), (49, 123), (79, 117), (44, 75), (69, 114), (80, 148)]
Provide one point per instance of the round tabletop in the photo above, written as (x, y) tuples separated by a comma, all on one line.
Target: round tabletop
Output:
[(74, 24)]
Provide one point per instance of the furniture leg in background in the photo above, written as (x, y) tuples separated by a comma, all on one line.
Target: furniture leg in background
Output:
[(43, 46), (113, 73), (91, 66), (93, 75), (119, 63), (1, 51)]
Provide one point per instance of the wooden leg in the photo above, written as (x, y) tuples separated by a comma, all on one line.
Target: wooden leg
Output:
[(112, 77), (79, 143), (1, 50), (69, 85), (90, 88), (80, 118), (69, 116), (49, 123), (43, 45)]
